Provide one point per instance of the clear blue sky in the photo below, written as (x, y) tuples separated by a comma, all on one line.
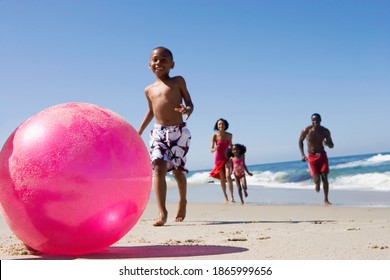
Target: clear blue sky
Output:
[(265, 66)]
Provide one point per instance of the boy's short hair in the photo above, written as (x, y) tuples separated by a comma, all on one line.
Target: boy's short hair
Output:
[(168, 51)]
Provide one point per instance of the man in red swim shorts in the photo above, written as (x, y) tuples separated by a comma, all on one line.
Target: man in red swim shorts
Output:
[(316, 137)]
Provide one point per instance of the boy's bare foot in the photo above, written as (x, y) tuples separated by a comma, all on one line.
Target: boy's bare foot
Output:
[(245, 193), (160, 221), (317, 188), (232, 200), (181, 212)]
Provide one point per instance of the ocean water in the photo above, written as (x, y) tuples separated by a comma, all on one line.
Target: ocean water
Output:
[(358, 172), (358, 180)]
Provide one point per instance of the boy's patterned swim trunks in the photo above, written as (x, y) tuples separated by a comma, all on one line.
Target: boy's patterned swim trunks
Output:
[(171, 144)]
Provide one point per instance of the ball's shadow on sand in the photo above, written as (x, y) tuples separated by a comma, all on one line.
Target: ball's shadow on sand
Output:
[(155, 251), (165, 251)]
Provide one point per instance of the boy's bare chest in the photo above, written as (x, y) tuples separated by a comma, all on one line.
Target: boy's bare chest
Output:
[(164, 93)]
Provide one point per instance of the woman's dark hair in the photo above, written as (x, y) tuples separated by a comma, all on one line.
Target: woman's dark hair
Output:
[(224, 121)]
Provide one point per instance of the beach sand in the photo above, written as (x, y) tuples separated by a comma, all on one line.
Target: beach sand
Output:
[(221, 231)]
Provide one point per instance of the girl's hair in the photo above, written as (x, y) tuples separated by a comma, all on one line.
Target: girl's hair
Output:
[(241, 149), (224, 121)]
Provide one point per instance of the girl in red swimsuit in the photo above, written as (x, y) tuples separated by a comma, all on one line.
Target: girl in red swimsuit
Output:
[(237, 162)]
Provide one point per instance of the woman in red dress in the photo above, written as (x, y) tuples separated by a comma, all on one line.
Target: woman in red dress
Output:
[(220, 142)]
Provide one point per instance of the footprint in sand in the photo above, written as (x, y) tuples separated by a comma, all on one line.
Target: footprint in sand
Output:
[(237, 239), (379, 247), (264, 238), (353, 229)]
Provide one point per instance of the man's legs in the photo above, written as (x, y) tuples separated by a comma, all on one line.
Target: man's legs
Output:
[(325, 184), (317, 182)]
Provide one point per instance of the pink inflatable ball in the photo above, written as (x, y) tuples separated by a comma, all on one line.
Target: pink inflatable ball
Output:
[(74, 179)]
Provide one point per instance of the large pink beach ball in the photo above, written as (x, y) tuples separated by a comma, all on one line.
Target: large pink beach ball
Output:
[(74, 179)]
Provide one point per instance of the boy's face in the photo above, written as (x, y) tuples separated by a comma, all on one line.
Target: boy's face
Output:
[(161, 62)]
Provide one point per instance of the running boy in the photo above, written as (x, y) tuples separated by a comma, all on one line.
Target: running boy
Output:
[(170, 138)]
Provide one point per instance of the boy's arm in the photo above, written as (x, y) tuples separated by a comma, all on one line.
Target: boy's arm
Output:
[(148, 117), (189, 106)]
